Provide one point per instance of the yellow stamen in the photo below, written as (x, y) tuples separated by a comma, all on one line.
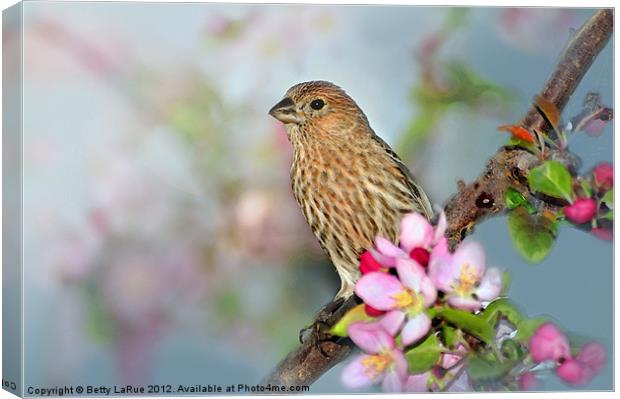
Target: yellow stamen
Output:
[(467, 279), (375, 365), (404, 299)]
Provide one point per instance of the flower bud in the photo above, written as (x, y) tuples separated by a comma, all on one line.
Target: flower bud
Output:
[(420, 255), (581, 211), (369, 264), (549, 343), (604, 174)]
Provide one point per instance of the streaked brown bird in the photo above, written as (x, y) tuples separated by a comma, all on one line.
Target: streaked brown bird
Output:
[(348, 182)]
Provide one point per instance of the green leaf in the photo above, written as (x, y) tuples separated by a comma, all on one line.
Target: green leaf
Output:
[(608, 199), (527, 327), (469, 323), (501, 307), (533, 236), (480, 368), (511, 350), (355, 314), (424, 356), (450, 336), (553, 179), (514, 199)]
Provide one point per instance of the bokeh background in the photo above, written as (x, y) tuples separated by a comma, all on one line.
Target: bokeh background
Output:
[(161, 240)]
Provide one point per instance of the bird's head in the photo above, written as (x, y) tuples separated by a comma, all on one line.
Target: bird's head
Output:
[(317, 103)]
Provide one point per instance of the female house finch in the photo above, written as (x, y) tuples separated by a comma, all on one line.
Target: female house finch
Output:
[(349, 183)]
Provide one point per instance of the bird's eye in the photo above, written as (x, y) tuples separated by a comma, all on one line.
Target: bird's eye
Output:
[(317, 104)]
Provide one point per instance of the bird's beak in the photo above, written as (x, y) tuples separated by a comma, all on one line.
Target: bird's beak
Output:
[(285, 111)]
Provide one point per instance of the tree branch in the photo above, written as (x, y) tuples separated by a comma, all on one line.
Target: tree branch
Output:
[(509, 166), (476, 201)]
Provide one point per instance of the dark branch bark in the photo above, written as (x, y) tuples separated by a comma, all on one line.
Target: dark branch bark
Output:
[(508, 167)]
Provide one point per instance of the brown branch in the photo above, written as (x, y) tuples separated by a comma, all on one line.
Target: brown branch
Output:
[(509, 166), (480, 199)]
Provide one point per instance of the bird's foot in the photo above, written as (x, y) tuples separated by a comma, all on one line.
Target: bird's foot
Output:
[(318, 331)]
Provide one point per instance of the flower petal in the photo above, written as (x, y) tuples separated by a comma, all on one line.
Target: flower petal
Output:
[(490, 286), (370, 337), (415, 231), (429, 292), (392, 382), (466, 303), (440, 229), (415, 329), (470, 253), (393, 321), (417, 382), (401, 367), (378, 290), (440, 268), (354, 375), (592, 355), (387, 248), (410, 273)]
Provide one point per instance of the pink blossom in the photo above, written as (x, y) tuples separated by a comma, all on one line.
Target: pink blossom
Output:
[(463, 276), (549, 343), (582, 210), (417, 235), (382, 362), (604, 174), (528, 381), (581, 369), (406, 298)]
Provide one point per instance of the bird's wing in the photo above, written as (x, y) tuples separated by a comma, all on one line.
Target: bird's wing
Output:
[(415, 188)]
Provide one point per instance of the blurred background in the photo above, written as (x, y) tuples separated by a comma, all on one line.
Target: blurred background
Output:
[(162, 243)]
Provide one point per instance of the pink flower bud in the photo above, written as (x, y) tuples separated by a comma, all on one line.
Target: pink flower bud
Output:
[(581, 211), (574, 372), (603, 234), (420, 255), (549, 343), (369, 264), (604, 174), (372, 312)]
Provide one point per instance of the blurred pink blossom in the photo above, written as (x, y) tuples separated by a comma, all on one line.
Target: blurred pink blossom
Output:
[(549, 343)]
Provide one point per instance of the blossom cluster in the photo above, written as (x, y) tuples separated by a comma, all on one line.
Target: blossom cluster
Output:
[(550, 344), (398, 286), (408, 288)]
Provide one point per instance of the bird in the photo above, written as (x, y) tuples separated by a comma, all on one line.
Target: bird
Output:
[(348, 182)]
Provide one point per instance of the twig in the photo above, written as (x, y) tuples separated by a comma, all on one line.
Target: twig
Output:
[(480, 199)]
